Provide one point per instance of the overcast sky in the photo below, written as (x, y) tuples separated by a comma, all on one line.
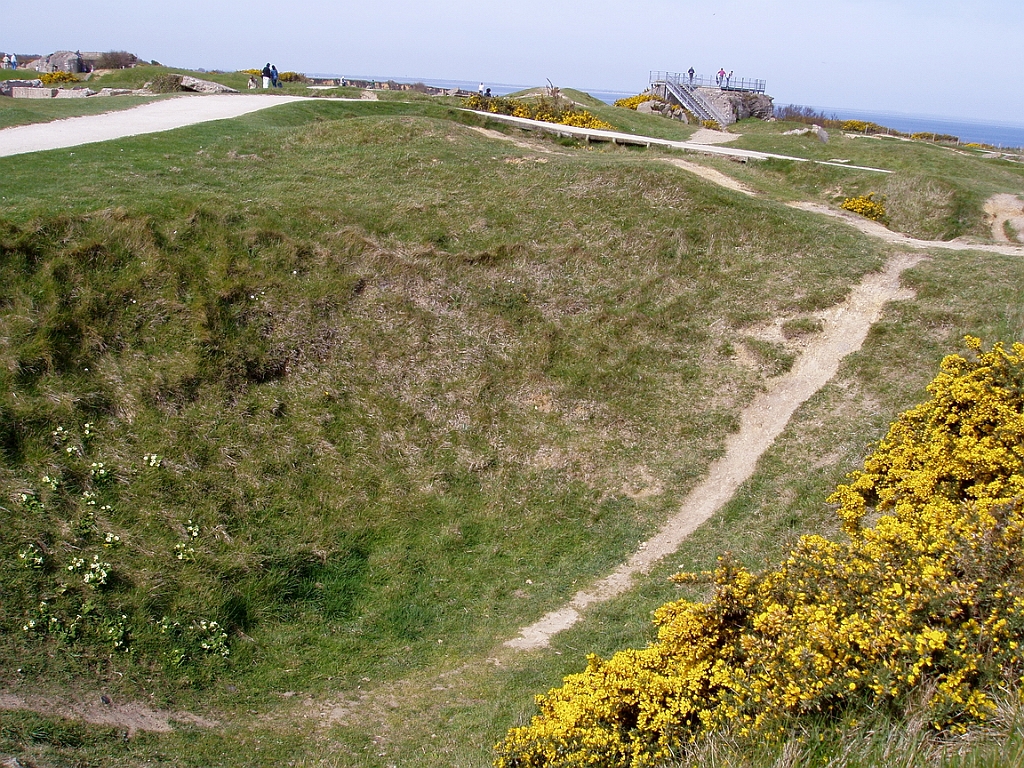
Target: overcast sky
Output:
[(926, 57)]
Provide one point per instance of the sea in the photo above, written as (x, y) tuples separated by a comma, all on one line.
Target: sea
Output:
[(996, 134)]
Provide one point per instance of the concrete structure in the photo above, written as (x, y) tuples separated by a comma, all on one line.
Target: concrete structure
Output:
[(33, 93)]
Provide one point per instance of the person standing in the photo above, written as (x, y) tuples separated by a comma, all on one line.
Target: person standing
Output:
[(728, 78), (6, 62), (14, 61), (720, 77), (480, 90), (274, 77), (266, 75), (690, 73)]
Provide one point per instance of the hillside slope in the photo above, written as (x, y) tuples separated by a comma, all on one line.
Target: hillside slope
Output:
[(370, 391)]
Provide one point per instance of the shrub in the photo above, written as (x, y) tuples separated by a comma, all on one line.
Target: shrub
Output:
[(548, 110), (711, 125), (292, 77), (57, 78), (867, 207), (166, 83), (930, 136), (117, 60), (633, 102), (926, 606)]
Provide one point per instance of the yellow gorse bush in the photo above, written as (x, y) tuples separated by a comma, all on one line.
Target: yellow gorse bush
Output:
[(926, 605), (545, 109), (632, 102), (57, 78), (867, 207)]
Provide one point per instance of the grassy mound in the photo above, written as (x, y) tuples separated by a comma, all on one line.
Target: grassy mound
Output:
[(331, 399)]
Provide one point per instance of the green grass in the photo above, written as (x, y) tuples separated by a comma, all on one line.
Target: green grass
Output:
[(402, 386)]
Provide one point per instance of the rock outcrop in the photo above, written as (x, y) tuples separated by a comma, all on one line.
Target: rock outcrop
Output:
[(190, 83), (734, 105)]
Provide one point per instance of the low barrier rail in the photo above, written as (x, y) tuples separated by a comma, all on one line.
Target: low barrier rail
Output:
[(701, 81)]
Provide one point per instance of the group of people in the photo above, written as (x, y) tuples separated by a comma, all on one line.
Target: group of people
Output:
[(271, 79), (722, 78), (9, 62)]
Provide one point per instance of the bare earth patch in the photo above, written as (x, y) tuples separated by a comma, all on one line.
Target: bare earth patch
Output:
[(1004, 209), (710, 174), (533, 146), (130, 717), (707, 136)]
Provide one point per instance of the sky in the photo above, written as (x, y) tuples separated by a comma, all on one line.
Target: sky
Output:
[(937, 58)]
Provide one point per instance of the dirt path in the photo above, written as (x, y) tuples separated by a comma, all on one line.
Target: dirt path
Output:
[(844, 330), (130, 717), (710, 174), (874, 229)]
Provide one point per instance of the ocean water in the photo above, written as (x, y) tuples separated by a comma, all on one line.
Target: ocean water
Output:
[(996, 134)]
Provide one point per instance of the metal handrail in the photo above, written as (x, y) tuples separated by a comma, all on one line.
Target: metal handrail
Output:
[(744, 84)]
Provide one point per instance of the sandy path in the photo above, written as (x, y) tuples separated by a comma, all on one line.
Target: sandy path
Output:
[(149, 118)]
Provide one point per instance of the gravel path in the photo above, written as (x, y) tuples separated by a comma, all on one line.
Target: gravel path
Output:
[(149, 118)]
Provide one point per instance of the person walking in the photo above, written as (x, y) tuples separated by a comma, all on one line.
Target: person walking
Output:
[(690, 73), (720, 76), (266, 75)]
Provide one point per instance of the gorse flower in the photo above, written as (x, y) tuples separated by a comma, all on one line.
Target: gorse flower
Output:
[(867, 207), (931, 598)]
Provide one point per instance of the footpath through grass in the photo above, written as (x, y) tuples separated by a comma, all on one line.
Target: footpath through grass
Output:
[(407, 388)]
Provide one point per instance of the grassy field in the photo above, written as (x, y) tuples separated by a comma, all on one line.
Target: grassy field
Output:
[(408, 387)]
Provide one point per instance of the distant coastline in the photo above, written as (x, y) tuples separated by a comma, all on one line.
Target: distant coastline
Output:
[(994, 133)]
